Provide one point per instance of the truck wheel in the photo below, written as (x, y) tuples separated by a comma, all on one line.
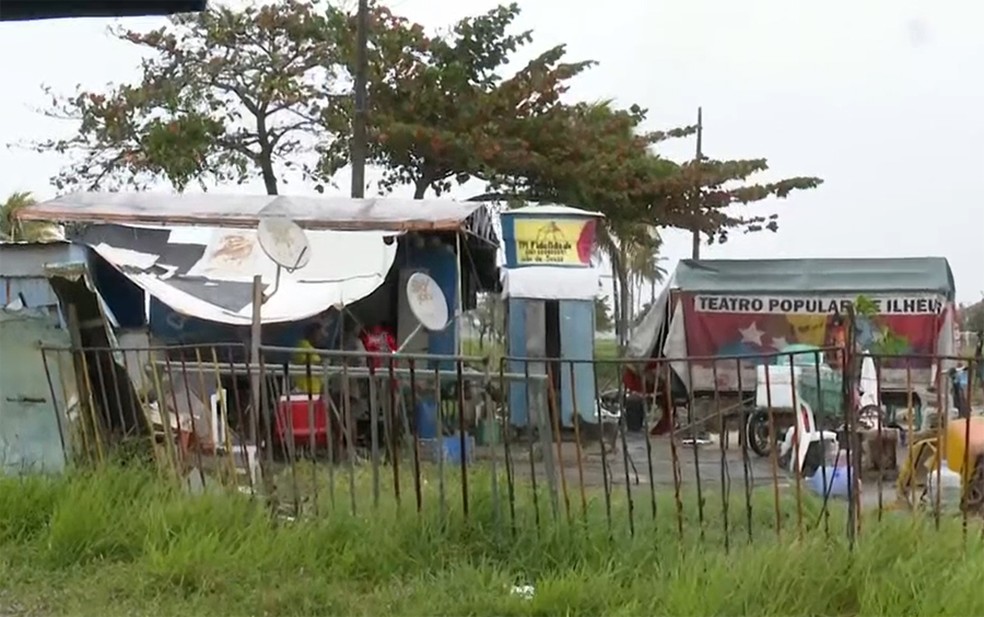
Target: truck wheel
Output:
[(757, 433)]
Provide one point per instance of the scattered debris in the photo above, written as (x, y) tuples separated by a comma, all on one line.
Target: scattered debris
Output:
[(526, 592)]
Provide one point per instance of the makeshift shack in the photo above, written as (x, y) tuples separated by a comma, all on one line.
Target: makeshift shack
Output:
[(758, 307)]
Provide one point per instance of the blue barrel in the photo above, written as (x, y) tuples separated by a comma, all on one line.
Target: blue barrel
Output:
[(428, 421)]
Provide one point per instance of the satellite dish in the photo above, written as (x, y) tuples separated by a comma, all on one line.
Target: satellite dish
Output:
[(284, 242), (427, 301)]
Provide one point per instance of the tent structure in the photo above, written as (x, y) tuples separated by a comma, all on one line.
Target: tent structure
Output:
[(198, 253), (756, 307)]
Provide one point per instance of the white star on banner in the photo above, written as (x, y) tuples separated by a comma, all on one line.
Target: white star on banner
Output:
[(779, 343), (751, 334)]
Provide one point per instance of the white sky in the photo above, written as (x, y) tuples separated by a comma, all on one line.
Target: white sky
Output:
[(881, 98)]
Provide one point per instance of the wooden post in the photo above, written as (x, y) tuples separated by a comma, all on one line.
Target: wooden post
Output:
[(255, 339)]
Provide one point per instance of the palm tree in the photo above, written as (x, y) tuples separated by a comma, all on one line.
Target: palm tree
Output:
[(13, 229), (632, 250)]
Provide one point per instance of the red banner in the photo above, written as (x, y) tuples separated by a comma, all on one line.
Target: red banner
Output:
[(721, 325)]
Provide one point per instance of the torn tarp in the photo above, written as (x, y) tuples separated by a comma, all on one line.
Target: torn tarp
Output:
[(207, 272)]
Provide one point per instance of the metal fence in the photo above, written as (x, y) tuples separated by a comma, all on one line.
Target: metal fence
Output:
[(720, 449)]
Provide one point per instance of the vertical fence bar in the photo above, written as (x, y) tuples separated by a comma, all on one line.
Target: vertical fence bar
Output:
[(969, 473), (102, 414), (177, 418), (504, 392), (577, 445), (374, 431), (415, 436), (696, 447), (530, 439), (797, 441), (487, 421), (394, 429), (244, 429), (287, 433), (221, 417), (649, 445), (625, 458), (54, 404), (773, 445), (824, 508), (170, 447), (193, 440), (942, 423), (117, 395), (910, 440), (268, 419), (331, 415), (141, 406), (350, 433), (746, 463), (722, 443), (439, 447), (849, 427), (604, 458), (674, 455), (553, 408), (312, 427), (459, 378), (881, 442)]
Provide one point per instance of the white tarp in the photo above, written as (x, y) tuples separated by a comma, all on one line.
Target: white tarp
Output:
[(550, 283), (207, 272)]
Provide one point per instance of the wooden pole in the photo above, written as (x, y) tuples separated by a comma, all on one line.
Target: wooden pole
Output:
[(255, 338)]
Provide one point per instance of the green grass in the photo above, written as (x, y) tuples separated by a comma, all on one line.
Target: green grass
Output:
[(123, 542)]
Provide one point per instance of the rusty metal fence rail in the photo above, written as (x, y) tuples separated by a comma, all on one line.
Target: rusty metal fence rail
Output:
[(721, 449)]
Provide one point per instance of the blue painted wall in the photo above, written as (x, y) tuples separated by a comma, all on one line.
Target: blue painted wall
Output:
[(576, 343), (516, 346), (577, 330)]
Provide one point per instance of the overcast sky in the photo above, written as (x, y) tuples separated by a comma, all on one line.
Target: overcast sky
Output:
[(881, 98)]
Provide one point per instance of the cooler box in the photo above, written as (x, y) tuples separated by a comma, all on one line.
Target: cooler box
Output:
[(293, 420)]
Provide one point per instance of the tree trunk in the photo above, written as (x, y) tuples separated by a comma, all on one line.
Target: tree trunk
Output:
[(268, 174), (622, 298), (420, 189)]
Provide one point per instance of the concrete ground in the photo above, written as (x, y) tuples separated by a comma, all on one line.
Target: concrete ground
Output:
[(710, 462)]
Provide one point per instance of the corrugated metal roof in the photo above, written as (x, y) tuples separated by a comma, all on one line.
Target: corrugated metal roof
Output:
[(550, 210), (867, 275), (245, 211), (28, 259)]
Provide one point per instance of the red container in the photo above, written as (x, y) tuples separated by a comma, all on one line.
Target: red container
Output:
[(294, 418)]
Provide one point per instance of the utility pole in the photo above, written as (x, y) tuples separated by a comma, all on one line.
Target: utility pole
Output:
[(359, 139), (695, 251)]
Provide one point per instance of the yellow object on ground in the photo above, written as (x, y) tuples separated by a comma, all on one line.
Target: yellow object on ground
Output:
[(964, 439), (304, 384)]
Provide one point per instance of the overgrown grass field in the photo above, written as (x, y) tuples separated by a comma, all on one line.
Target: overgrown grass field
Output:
[(124, 542)]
